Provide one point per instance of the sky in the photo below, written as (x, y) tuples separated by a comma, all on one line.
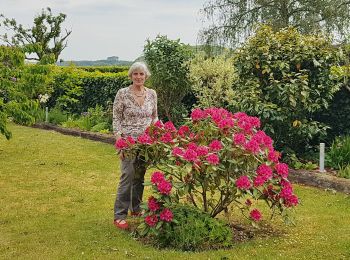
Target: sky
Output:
[(104, 28)]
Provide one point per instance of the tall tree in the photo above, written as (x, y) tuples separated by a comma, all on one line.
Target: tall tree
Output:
[(232, 21), (44, 38)]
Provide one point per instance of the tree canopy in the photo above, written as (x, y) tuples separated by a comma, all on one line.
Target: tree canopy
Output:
[(232, 21), (45, 38)]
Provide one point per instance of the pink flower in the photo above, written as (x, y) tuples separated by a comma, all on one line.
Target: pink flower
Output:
[(183, 130), (153, 204), (252, 146), (286, 192), (164, 187), (166, 138), (151, 220), (169, 126), (255, 215), (130, 140), (192, 146), (121, 144), (259, 180), (213, 159), (226, 123), (239, 139), (282, 169), (197, 114), (291, 201), (190, 155), (157, 177), (273, 156), (202, 150), (159, 124), (166, 215), (264, 170), (144, 139), (177, 151), (215, 145), (243, 183)]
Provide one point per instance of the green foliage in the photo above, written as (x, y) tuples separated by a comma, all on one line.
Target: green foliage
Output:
[(104, 69), (212, 80), (57, 116), (284, 78), (194, 230), (76, 90), (44, 38), (168, 62), (338, 155), (15, 91), (344, 172), (295, 163), (232, 22)]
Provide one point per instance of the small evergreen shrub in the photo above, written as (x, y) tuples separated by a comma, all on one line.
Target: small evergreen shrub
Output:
[(339, 153), (194, 230)]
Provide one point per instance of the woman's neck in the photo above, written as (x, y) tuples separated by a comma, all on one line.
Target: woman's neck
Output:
[(138, 87)]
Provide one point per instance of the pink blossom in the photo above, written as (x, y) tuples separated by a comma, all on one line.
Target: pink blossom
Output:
[(157, 177), (282, 169), (243, 183), (153, 204), (144, 139), (215, 145), (164, 187), (202, 150), (291, 201), (273, 156), (166, 215), (159, 124), (239, 115), (130, 140), (192, 146), (259, 180), (226, 123), (254, 121), (252, 146), (183, 130), (197, 114), (169, 126), (255, 215), (213, 159), (121, 144), (264, 170), (286, 192), (190, 155), (239, 139), (166, 138), (151, 220), (177, 151)]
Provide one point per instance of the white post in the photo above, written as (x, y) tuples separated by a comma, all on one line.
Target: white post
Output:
[(322, 145), (46, 114)]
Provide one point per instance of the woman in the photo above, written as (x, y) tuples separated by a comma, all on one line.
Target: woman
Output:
[(134, 109)]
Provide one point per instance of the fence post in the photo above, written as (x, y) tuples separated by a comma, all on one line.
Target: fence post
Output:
[(46, 114), (322, 146)]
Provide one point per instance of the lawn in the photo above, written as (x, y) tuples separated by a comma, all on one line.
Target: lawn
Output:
[(57, 195)]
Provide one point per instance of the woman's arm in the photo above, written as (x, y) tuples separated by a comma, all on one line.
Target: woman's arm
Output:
[(155, 108), (118, 108)]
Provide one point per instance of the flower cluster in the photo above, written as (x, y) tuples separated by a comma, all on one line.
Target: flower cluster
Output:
[(156, 207)]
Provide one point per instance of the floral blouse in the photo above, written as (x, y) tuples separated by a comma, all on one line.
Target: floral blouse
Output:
[(130, 118)]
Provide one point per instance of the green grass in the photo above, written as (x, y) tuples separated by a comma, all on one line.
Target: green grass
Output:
[(57, 195)]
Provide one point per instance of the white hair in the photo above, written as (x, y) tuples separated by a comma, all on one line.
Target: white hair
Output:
[(139, 66)]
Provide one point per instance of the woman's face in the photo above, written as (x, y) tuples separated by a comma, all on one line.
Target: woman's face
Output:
[(138, 77)]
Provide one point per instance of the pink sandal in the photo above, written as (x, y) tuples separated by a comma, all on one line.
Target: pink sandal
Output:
[(121, 223)]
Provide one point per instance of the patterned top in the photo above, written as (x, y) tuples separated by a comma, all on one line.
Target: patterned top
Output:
[(131, 119)]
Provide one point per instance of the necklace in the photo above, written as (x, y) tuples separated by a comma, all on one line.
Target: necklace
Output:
[(138, 95)]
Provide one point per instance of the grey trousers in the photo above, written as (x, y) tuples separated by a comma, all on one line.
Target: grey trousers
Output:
[(130, 189)]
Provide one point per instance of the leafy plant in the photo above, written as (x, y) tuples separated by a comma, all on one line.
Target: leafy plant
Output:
[(194, 230), (338, 155), (344, 172)]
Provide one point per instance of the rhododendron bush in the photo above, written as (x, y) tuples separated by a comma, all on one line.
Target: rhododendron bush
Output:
[(215, 160)]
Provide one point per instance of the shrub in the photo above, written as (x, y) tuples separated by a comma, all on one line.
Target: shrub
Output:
[(284, 78), (168, 62), (217, 159), (339, 153), (57, 116), (194, 230)]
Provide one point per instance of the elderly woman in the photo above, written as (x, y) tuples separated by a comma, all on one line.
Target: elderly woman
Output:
[(134, 109)]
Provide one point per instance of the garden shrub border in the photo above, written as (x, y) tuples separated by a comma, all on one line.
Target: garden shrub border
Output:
[(309, 178)]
